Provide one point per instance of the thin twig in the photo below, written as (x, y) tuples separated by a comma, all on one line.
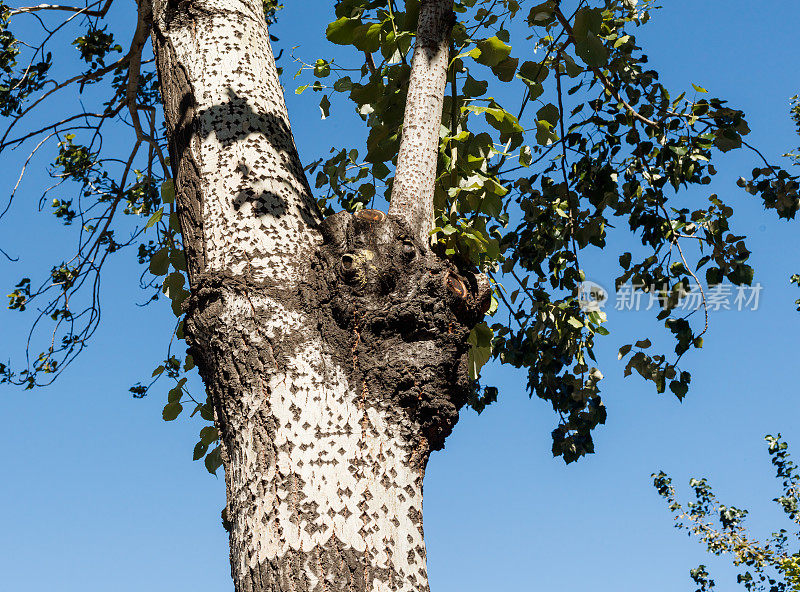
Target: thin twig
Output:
[(602, 77)]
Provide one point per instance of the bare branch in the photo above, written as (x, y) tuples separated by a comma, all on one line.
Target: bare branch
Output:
[(77, 9)]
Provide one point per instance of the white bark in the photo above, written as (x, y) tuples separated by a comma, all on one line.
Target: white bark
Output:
[(256, 204), (414, 183), (324, 491), (336, 475)]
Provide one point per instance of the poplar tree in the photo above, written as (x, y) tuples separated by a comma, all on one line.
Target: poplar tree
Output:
[(339, 329)]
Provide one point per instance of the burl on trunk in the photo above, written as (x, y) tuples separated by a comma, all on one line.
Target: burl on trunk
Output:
[(334, 351)]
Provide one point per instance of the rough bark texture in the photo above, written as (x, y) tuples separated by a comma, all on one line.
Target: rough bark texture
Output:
[(333, 351), (412, 193), (245, 202)]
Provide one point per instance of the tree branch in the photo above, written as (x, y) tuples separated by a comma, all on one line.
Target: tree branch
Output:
[(415, 176), (84, 10), (602, 77)]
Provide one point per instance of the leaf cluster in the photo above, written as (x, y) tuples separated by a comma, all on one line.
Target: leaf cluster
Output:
[(772, 565), (593, 141)]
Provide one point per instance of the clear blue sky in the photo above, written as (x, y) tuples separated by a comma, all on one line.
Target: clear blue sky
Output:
[(99, 494)]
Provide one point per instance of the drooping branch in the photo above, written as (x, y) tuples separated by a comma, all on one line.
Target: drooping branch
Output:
[(602, 77), (68, 300), (413, 189)]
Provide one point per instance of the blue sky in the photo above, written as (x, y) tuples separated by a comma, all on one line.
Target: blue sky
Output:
[(100, 494)]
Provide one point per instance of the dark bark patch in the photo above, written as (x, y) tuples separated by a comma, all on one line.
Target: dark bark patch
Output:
[(333, 567), (398, 318)]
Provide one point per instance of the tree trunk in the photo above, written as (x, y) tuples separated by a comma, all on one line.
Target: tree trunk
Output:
[(333, 351), (412, 192)]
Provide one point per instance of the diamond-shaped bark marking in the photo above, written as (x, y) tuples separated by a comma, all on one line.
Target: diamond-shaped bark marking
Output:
[(346, 512)]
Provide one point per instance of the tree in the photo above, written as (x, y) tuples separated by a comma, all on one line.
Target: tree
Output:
[(770, 565), (337, 351)]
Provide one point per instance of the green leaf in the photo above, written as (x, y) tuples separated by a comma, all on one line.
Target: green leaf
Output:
[(367, 37), (679, 388), (492, 51), (592, 51), (172, 411), (200, 450), (322, 68), (532, 72), (699, 89), (480, 340), (506, 69), (168, 191), (159, 262), (525, 156), (343, 84), (576, 323), (544, 133), (475, 88), (542, 14), (214, 460), (209, 434), (342, 31), (548, 113), (325, 106), (154, 219)]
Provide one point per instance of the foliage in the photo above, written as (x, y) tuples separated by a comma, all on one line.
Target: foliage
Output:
[(522, 192), (771, 565), (554, 130)]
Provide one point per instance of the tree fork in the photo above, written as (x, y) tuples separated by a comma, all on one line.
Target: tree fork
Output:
[(333, 352)]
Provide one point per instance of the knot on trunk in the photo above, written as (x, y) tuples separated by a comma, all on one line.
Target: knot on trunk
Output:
[(402, 315)]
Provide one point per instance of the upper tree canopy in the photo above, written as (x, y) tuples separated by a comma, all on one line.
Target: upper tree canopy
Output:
[(555, 128)]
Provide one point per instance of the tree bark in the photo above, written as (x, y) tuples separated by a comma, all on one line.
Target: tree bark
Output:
[(415, 177), (333, 351)]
